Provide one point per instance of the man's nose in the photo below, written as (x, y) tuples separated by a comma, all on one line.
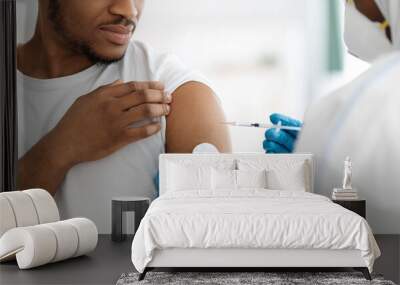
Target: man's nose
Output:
[(125, 8)]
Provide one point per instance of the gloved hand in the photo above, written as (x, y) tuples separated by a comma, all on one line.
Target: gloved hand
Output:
[(282, 141)]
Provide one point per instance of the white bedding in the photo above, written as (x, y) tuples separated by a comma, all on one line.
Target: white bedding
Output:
[(251, 218)]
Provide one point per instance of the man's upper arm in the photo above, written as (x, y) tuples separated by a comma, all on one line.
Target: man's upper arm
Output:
[(195, 118)]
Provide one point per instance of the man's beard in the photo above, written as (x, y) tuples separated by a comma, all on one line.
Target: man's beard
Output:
[(78, 46)]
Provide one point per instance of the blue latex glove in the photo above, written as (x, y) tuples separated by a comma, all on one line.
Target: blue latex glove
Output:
[(282, 141), (156, 181)]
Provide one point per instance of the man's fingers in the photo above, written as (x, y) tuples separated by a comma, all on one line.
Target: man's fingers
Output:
[(138, 85), (135, 86), (145, 96), (144, 111), (117, 88), (134, 134)]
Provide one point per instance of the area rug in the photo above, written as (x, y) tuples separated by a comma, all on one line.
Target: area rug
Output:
[(244, 278)]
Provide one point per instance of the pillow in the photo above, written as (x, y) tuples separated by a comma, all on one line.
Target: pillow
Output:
[(183, 177), (288, 178), (223, 179), (235, 179), (282, 173), (202, 160), (251, 178)]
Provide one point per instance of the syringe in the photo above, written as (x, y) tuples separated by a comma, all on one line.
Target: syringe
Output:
[(263, 126)]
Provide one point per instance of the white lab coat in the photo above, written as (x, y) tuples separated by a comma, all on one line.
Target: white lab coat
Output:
[(361, 120)]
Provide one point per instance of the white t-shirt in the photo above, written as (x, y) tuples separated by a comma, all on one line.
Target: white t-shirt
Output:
[(88, 187)]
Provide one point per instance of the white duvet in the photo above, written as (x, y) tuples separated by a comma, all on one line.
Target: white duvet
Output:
[(252, 218)]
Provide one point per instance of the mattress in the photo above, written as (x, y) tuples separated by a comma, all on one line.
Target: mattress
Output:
[(250, 219)]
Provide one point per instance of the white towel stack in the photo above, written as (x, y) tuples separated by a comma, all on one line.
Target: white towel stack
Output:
[(344, 194)]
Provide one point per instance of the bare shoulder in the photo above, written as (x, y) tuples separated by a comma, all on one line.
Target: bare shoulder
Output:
[(195, 118)]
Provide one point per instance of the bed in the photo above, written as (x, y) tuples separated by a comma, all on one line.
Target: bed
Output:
[(247, 211)]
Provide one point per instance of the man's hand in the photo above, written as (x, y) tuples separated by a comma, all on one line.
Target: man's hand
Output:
[(99, 123), (95, 126)]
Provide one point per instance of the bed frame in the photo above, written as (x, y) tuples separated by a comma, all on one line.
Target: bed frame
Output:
[(256, 259), (236, 259)]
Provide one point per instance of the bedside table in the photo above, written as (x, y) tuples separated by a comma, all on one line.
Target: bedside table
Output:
[(356, 206), (119, 205)]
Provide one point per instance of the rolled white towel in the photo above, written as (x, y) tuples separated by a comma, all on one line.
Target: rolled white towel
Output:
[(45, 205), (23, 208), (33, 246), (26, 208), (87, 233), (7, 218), (41, 244), (67, 240)]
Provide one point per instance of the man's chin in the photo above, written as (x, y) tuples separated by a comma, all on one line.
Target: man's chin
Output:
[(101, 57), (104, 59), (108, 60)]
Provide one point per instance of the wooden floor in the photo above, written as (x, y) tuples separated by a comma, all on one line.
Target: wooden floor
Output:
[(110, 260)]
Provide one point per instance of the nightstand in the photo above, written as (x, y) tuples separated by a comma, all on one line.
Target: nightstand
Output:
[(119, 205), (356, 206)]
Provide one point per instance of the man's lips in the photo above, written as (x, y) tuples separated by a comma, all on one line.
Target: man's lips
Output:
[(117, 34)]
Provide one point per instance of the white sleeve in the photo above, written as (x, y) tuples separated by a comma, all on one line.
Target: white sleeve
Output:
[(168, 69)]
